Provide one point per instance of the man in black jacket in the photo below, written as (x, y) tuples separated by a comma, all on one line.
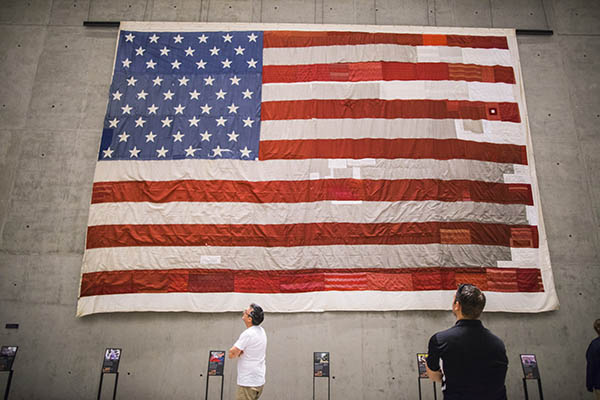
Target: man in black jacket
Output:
[(592, 356), (473, 360)]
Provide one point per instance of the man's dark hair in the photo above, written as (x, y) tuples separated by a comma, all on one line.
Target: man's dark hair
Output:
[(471, 300), (257, 314), (597, 326)]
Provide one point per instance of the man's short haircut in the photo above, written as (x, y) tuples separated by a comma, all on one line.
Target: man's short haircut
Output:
[(597, 326), (471, 300), (257, 314)]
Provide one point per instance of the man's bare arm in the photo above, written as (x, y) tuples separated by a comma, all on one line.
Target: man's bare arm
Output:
[(435, 376), (235, 352)]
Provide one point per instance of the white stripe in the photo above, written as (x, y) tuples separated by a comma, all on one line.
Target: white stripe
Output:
[(384, 52), (391, 90), (476, 131), (298, 213), (256, 171), (309, 302), (292, 258)]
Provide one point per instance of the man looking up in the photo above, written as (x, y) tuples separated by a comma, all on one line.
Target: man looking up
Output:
[(473, 359), (251, 348)]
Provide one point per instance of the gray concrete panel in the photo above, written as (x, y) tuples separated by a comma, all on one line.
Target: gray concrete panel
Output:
[(464, 13), (69, 12), (519, 14), (117, 10), (401, 12), (30, 12), (234, 11), (173, 10), (348, 12), (577, 17), (297, 11), (21, 47)]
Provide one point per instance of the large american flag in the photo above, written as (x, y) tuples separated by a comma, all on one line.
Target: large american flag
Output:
[(314, 168)]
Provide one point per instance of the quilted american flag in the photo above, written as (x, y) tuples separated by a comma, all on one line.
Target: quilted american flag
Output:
[(314, 168)]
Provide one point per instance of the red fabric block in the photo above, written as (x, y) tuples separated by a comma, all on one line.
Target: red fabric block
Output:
[(529, 280), (428, 280), (150, 281), (478, 277), (256, 282), (434, 40), (302, 282), (221, 281), (389, 281), (502, 280)]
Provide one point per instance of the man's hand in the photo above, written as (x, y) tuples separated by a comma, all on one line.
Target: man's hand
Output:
[(234, 352), (435, 376)]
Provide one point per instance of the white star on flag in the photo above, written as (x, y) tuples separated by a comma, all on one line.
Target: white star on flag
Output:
[(227, 38), (134, 152), (178, 137), (209, 81), (194, 95), (157, 81), (108, 153), (164, 51), (140, 51), (150, 137), (221, 94), (226, 63), (206, 109), (150, 64), (252, 63), (123, 137), (142, 95), (183, 81), (131, 81), (166, 122), (233, 108), (127, 109), (248, 122), (202, 39), (214, 51), (190, 151), (175, 64), (233, 136), (154, 38), (139, 122), (129, 38), (178, 38), (245, 152), (194, 121), (162, 152), (201, 64), (152, 109), (239, 51), (126, 63), (221, 121), (168, 95), (218, 150), (206, 136), (247, 94), (189, 51), (252, 37), (117, 95), (113, 123), (235, 80), (179, 109)]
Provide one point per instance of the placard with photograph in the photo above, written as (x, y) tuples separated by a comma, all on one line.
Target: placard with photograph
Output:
[(216, 362), (422, 365), (321, 366), (530, 366), (112, 357), (7, 357)]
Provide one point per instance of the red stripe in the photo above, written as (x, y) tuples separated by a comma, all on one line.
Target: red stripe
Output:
[(388, 109), (309, 39), (312, 280), (312, 234), (439, 149), (312, 190), (386, 71)]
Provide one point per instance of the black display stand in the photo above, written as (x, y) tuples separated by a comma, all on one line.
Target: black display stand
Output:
[(531, 372), (321, 369), (10, 374), (116, 382), (216, 366), (422, 369)]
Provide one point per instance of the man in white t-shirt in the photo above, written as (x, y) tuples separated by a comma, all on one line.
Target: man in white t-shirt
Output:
[(251, 348)]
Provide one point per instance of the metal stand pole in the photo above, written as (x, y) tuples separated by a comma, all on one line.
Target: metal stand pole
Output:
[(525, 389), (434, 392), (10, 374), (420, 396), (540, 388), (100, 386), (116, 383), (222, 380)]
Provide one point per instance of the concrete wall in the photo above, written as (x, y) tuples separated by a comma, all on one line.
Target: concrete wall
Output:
[(55, 78)]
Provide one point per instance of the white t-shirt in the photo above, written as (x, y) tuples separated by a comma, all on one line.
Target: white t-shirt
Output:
[(251, 367)]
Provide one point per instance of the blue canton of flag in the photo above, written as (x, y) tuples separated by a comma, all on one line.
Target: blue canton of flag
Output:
[(184, 95)]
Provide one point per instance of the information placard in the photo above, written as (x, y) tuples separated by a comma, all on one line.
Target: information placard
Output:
[(111, 360), (421, 365), (7, 357), (321, 365), (530, 366), (216, 362)]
